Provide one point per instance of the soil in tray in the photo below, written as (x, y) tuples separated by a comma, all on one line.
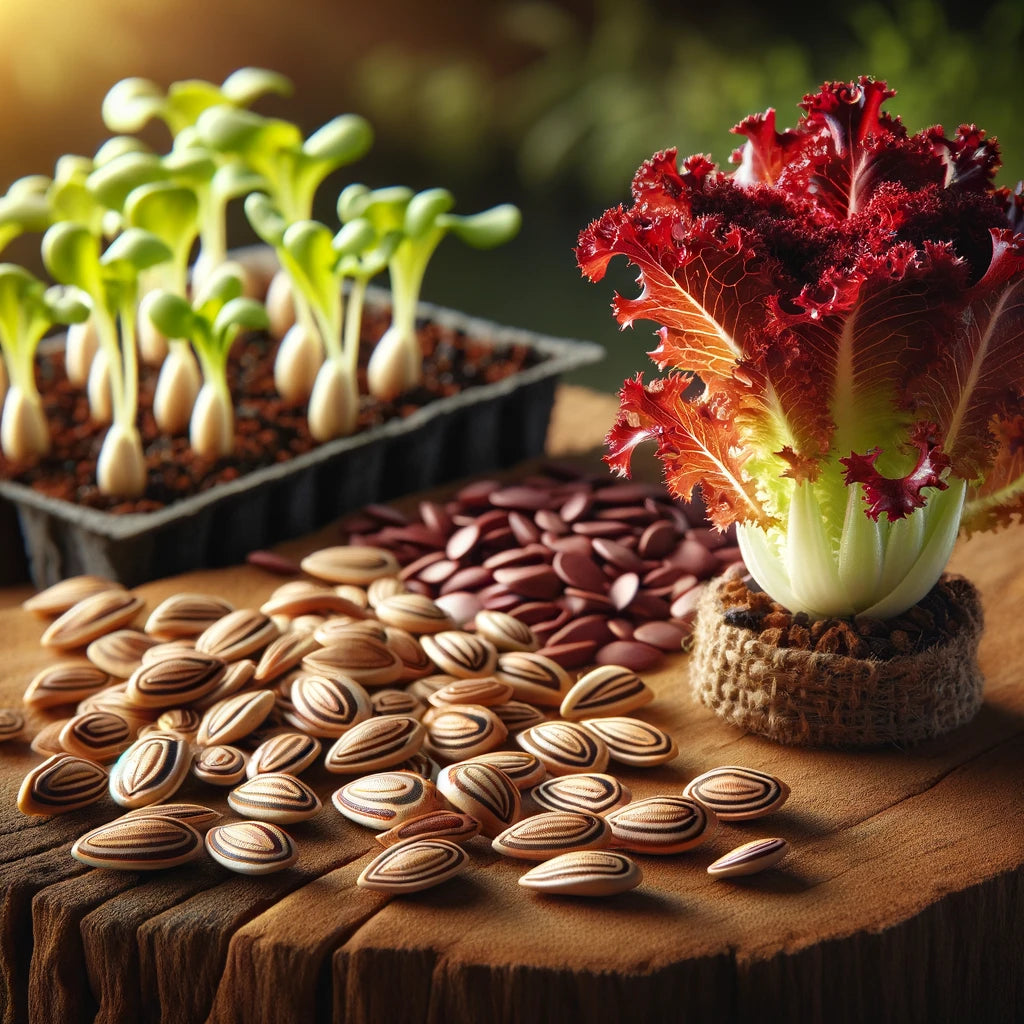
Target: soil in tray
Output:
[(938, 616), (269, 430)]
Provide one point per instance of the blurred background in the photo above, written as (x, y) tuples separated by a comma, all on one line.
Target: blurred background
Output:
[(549, 104)]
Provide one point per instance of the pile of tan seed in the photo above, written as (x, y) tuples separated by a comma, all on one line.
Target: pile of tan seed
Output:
[(414, 671)]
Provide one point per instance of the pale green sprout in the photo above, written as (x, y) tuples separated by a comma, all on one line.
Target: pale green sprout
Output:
[(133, 102), (72, 254), (212, 323), (215, 178), (321, 264), (301, 352), (424, 219), (28, 309)]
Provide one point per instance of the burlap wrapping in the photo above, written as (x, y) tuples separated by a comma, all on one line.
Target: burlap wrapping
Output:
[(809, 698)]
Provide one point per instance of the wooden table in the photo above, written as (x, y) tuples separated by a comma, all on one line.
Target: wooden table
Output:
[(902, 899)]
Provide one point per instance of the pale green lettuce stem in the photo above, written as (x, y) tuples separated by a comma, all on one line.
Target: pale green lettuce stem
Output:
[(878, 569)]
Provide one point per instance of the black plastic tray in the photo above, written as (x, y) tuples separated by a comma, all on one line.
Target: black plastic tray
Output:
[(480, 429)]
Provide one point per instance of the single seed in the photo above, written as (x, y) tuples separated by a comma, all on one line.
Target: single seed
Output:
[(91, 618), (413, 866), (58, 598), (534, 678), (661, 825), (96, 735), (219, 765), (484, 792), (633, 742), (565, 747), (186, 615), (237, 635), (386, 798), (546, 835), (328, 707), (234, 717), (461, 654), (593, 792), (251, 847), (12, 722), (274, 797), (196, 815), (172, 682), (63, 782), (485, 691), (524, 769), (454, 826), (606, 690), (461, 731), (150, 770), (119, 653), (363, 659), (67, 682), (738, 794), (144, 843), (359, 564), (375, 744), (289, 752), (750, 858), (586, 873), (505, 631)]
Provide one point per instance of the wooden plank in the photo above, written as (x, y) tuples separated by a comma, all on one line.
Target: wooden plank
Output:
[(903, 898)]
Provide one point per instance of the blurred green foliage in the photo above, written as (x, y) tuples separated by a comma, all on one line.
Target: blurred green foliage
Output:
[(573, 101)]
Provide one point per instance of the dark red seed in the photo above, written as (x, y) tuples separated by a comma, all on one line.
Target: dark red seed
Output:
[(624, 589), (462, 541), (570, 655), (630, 654), (531, 554), (589, 628), (473, 577), (270, 561), (601, 528), (550, 521), (618, 554), (533, 612), (621, 629), (657, 540), (524, 499), (523, 528), (435, 517), (424, 561), (386, 514), (666, 636), (576, 507), (477, 494), (536, 581), (579, 571), (437, 572), (573, 543)]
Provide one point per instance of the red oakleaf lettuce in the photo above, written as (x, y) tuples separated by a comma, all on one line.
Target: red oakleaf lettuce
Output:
[(852, 299)]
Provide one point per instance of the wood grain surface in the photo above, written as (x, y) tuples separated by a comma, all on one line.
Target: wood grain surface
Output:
[(902, 898)]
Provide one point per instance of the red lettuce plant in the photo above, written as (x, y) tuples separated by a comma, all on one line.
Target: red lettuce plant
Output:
[(842, 319)]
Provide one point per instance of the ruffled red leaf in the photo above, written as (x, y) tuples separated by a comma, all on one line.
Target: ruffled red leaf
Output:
[(898, 497), (981, 366), (766, 150), (999, 500), (696, 447)]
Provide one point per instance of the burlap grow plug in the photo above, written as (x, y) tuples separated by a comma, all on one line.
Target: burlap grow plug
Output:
[(809, 697)]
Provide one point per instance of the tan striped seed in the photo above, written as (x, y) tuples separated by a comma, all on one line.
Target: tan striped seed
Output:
[(175, 681), (661, 825), (368, 661), (605, 690), (67, 682), (184, 721), (12, 721), (302, 597), (484, 792), (238, 634), (328, 707), (234, 717), (186, 615), (516, 715), (415, 663), (63, 782), (58, 598), (413, 866), (99, 736), (288, 752), (524, 769), (485, 691), (219, 765), (414, 613), (237, 676), (460, 731), (460, 654), (633, 742), (350, 563), (196, 815), (396, 702), (594, 793), (454, 826), (750, 858), (251, 847), (505, 631), (386, 798), (534, 678), (119, 653), (546, 835), (375, 744), (150, 770), (738, 794), (282, 655), (275, 797), (168, 649), (382, 588), (587, 873), (565, 747), (91, 618), (145, 843)]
